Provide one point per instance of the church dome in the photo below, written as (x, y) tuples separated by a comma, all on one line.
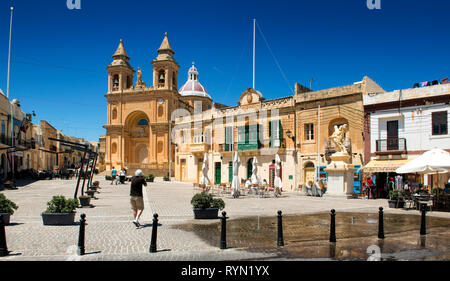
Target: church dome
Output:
[(192, 87)]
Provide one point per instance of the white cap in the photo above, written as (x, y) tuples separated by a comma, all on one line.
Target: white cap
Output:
[(138, 173)]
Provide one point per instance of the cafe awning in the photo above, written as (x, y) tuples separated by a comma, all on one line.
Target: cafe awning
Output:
[(384, 166)]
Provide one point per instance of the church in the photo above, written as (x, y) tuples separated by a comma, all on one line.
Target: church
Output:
[(139, 119)]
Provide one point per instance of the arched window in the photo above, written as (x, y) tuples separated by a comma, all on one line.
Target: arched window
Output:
[(143, 122), (174, 80), (161, 77), (116, 82), (128, 82), (114, 114)]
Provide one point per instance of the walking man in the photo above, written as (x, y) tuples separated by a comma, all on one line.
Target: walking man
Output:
[(113, 175), (137, 200)]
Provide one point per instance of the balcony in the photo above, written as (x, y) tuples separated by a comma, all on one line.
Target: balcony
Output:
[(199, 147), (391, 146)]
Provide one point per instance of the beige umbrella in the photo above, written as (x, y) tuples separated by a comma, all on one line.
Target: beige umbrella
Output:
[(204, 180), (255, 178), (236, 185), (277, 181)]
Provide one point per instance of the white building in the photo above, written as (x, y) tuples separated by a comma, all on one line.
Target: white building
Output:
[(403, 124)]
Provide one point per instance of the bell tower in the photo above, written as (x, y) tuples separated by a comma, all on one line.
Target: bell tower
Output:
[(165, 68), (120, 72)]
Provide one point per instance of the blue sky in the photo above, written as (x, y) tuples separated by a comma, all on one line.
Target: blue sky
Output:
[(59, 56)]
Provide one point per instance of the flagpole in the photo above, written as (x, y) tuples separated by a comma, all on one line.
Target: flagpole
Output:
[(254, 26), (7, 94)]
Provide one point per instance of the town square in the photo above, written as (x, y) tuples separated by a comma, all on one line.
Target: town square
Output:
[(138, 131)]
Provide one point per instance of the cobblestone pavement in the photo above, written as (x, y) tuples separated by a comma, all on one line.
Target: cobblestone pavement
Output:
[(110, 234)]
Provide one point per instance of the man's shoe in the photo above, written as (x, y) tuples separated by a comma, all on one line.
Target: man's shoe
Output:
[(136, 224)]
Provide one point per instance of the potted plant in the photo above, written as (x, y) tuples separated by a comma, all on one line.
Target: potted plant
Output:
[(7, 208), (205, 206), (60, 211), (84, 200), (166, 178), (150, 178), (395, 199)]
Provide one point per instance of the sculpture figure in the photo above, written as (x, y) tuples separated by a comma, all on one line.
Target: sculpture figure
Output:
[(338, 138)]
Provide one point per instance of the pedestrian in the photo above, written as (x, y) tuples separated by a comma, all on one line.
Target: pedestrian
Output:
[(370, 188), (137, 199), (113, 175)]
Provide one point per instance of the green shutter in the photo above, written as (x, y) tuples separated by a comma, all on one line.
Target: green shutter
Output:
[(253, 134), (280, 130), (270, 133)]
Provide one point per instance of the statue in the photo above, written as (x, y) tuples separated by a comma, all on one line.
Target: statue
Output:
[(139, 76), (338, 138)]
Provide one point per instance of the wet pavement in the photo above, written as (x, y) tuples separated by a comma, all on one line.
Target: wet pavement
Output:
[(307, 236)]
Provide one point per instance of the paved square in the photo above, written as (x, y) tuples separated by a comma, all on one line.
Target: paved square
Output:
[(110, 234)]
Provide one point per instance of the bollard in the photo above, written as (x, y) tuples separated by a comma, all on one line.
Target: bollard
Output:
[(154, 232), (280, 230), (81, 248), (3, 248), (423, 225), (333, 226), (223, 233), (380, 224)]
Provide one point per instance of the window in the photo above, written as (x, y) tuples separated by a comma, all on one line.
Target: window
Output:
[(174, 79), (143, 122), (161, 77), (275, 133), (309, 131), (229, 138), (116, 82), (128, 82), (439, 123)]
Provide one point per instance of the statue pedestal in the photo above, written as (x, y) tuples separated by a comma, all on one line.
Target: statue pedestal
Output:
[(340, 176)]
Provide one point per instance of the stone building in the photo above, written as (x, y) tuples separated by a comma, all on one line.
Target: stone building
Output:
[(290, 127), (317, 113), (254, 128), (139, 116), (20, 139)]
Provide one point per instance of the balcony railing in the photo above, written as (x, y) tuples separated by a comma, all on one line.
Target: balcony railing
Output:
[(391, 145)]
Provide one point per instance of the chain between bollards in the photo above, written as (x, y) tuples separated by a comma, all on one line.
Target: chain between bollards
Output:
[(154, 234), (81, 235), (423, 225), (380, 224), (280, 229), (223, 233), (3, 247), (333, 226)]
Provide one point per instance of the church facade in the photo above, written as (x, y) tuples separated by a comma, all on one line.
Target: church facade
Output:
[(139, 118)]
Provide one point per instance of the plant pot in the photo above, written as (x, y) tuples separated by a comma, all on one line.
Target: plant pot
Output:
[(396, 204), (6, 217), (58, 219), (84, 201), (90, 193), (209, 213)]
